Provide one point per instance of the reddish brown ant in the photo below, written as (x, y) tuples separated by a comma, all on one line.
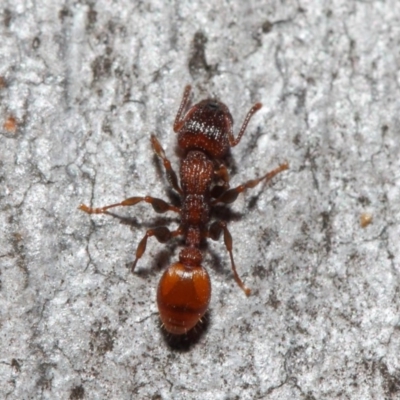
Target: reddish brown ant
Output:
[(205, 136)]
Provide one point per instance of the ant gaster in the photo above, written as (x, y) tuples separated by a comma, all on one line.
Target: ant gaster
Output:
[(205, 136)]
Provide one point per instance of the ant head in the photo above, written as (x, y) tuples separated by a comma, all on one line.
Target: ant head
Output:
[(206, 127)]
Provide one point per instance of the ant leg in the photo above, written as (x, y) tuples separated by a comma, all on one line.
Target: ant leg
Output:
[(214, 233), (162, 234), (159, 206), (185, 100), (232, 141), (223, 174), (231, 195), (171, 174)]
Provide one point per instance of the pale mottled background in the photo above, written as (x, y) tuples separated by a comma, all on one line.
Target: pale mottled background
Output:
[(87, 83)]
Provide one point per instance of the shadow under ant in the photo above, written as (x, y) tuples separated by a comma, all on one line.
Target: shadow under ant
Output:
[(184, 343)]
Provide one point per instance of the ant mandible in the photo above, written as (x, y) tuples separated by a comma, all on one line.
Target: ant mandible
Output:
[(205, 136)]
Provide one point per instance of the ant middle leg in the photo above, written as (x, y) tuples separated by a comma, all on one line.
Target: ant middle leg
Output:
[(214, 233), (162, 234), (221, 173), (231, 195), (159, 205)]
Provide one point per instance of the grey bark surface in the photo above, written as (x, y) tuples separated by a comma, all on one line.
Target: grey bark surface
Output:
[(87, 84)]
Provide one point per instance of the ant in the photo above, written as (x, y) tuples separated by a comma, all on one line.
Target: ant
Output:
[(205, 137)]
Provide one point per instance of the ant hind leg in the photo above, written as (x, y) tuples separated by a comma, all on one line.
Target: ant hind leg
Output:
[(214, 233), (162, 234)]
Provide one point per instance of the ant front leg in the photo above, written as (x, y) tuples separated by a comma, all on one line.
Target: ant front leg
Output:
[(234, 141), (171, 174), (159, 206), (162, 234), (231, 195), (214, 233)]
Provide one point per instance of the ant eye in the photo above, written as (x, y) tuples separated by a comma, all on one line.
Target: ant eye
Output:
[(213, 105)]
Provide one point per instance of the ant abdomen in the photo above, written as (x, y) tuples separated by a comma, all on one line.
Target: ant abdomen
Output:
[(184, 292), (183, 296)]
